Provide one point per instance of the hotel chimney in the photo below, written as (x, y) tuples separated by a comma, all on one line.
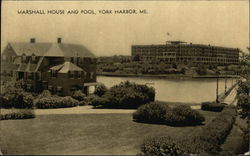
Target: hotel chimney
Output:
[(59, 40), (32, 40)]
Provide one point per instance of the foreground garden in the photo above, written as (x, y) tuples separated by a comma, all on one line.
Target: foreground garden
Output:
[(154, 128), (84, 134)]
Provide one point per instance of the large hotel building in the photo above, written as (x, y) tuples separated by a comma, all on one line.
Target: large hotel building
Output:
[(181, 52)]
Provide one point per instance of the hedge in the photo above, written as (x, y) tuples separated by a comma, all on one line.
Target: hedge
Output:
[(155, 112), (210, 138), (212, 106), (56, 102), (16, 98), (78, 95), (183, 115), (205, 141), (152, 112), (161, 146), (17, 114)]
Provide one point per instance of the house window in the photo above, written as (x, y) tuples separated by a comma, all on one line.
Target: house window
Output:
[(24, 58), (53, 73), (50, 88), (71, 74), (80, 60), (33, 58), (79, 75), (91, 75), (30, 76), (38, 76), (59, 91)]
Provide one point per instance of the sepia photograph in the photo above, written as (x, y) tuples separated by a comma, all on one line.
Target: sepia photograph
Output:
[(144, 77)]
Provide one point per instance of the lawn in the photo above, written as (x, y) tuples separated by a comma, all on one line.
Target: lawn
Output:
[(83, 134)]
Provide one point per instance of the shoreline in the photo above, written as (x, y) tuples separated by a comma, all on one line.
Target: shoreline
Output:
[(167, 75)]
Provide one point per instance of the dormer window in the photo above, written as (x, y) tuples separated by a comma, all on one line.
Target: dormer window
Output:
[(33, 58), (53, 73), (24, 58)]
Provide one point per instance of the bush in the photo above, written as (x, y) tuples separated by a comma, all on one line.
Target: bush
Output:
[(16, 98), (99, 101), (90, 98), (129, 95), (243, 93), (45, 93), (184, 115), (209, 139), (100, 90), (152, 112), (56, 102), (212, 106), (244, 104), (78, 95), (18, 114), (161, 146)]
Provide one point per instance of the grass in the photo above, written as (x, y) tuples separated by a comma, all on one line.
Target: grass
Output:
[(88, 134), (14, 113)]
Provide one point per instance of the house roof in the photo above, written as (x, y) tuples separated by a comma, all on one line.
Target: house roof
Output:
[(51, 49), (30, 67), (66, 67)]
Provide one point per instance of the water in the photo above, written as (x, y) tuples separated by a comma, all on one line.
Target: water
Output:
[(176, 90)]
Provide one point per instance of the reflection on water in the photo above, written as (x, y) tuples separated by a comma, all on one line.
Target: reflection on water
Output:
[(176, 90)]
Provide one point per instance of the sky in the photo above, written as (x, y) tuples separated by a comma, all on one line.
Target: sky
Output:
[(221, 23)]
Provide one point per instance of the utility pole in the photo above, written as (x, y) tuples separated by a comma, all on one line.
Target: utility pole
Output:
[(217, 87), (225, 86)]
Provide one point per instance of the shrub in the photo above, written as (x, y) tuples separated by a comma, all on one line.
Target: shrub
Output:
[(90, 98), (82, 103), (212, 106), (152, 112), (78, 95), (99, 101), (100, 90), (129, 95), (16, 98), (18, 114), (45, 93), (162, 146), (184, 115), (244, 104), (209, 139), (56, 102)]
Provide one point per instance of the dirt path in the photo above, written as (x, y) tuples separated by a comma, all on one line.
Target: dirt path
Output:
[(81, 110)]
